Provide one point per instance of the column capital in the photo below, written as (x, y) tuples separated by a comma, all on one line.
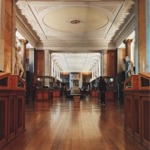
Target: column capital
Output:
[(23, 41), (127, 41)]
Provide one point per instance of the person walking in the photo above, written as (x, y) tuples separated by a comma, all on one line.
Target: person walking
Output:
[(102, 89)]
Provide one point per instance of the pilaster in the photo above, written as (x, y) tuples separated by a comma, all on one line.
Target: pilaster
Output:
[(141, 35), (148, 35), (9, 27)]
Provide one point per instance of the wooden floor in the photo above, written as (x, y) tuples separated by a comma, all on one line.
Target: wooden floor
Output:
[(60, 124)]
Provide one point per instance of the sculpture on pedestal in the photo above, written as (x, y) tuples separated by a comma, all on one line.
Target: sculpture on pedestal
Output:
[(128, 67), (19, 70)]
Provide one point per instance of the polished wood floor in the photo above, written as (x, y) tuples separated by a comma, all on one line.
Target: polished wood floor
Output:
[(60, 124)]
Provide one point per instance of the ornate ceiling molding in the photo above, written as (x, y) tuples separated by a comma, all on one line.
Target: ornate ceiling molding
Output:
[(25, 29), (35, 11)]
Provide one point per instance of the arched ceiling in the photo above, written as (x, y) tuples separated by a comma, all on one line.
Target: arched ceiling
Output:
[(75, 26)]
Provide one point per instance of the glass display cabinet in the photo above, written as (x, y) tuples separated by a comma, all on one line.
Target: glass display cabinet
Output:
[(137, 107), (47, 88), (5, 82), (144, 81), (11, 81), (131, 83), (12, 107), (44, 82)]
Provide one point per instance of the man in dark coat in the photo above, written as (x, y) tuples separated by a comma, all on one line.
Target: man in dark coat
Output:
[(102, 89)]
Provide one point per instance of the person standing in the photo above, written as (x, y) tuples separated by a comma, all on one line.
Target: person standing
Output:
[(102, 89)]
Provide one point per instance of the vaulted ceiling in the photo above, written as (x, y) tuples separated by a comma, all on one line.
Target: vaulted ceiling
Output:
[(75, 26)]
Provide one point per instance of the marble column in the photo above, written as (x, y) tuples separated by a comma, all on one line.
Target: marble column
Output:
[(1, 35), (50, 63), (148, 35), (47, 66), (101, 64), (141, 30), (7, 35), (127, 43), (104, 63)]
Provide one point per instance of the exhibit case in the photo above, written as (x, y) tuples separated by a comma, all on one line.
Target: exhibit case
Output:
[(12, 107), (137, 107)]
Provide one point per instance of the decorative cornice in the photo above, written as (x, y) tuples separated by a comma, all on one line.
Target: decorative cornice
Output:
[(76, 45), (25, 29), (125, 30)]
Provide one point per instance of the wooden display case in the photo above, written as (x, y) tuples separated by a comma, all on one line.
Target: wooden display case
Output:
[(12, 107), (5, 81), (144, 89), (17, 83), (137, 107), (131, 83), (45, 88), (11, 82), (3, 121), (144, 81)]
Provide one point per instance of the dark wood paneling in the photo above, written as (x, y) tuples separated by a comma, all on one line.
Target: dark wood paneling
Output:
[(129, 113), (137, 117), (146, 121), (11, 117), (39, 63), (111, 63), (3, 120)]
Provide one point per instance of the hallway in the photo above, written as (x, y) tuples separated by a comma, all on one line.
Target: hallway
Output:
[(61, 125)]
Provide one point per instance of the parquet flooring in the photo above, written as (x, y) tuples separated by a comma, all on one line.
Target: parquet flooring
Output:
[(60, 124)]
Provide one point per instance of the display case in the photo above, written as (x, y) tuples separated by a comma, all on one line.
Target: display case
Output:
[(12, 107), (144, 81), (47, 88), (5, 81), (44, 82), (17, 83), (137, 107), (11, 81), (131, 83)]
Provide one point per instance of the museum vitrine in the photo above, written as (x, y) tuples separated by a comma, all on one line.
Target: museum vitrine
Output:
[(131, 83), (144, 81), (5, 82), (12, 110), (137, 107)]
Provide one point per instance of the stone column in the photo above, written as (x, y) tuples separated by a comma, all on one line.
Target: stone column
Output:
[(104, 63), (23, 43), (50, 63), (141, 33), (101, 64), (2, 35), (127, 43), (47, 67), (7, 35), (148, 35)]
